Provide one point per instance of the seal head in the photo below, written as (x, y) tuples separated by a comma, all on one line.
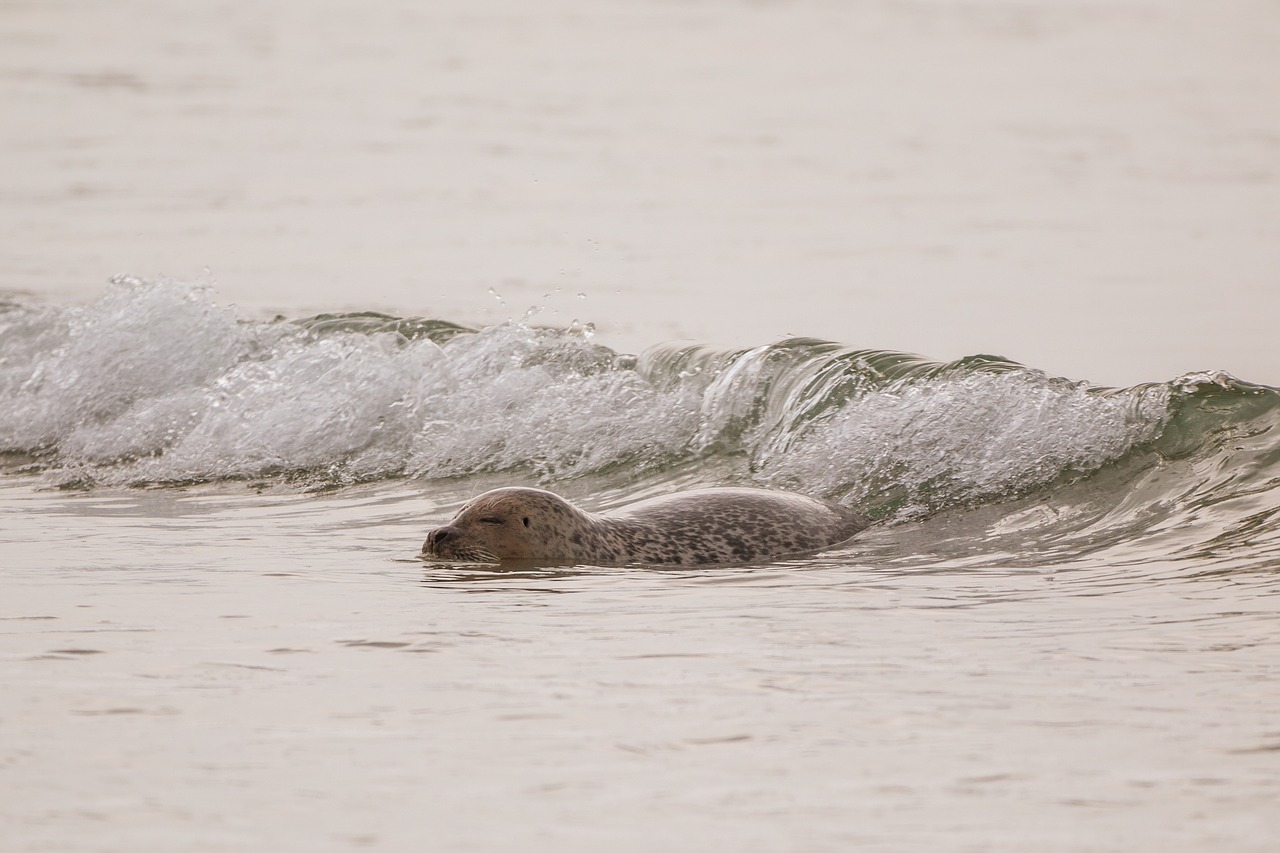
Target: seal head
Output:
[(509, 524)]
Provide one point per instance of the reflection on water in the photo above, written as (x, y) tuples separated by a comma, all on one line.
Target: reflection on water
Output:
[(498, 578)]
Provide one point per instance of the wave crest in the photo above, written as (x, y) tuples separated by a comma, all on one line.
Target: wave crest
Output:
[(155, 382)]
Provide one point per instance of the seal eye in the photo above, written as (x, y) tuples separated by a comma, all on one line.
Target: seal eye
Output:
[(491, 520), (526, 521)]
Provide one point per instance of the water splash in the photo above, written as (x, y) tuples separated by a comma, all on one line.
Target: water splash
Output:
[(155, 382)]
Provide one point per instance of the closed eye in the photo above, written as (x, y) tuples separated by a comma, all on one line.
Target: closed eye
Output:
[(491, 520)]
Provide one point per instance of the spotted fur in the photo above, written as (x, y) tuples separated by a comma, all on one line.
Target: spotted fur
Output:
[(704, 527)]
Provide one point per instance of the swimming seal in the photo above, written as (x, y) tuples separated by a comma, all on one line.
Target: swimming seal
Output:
[(703, 527)]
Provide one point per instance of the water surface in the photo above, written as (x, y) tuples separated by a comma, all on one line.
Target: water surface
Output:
[(1061, 629), (372, 260)]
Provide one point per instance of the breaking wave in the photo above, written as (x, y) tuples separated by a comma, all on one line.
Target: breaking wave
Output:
[(157, 383)]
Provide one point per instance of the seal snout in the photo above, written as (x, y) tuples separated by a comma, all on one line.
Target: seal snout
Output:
[(437, 537)]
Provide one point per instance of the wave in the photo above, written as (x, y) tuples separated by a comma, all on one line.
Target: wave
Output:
[(157, 383)]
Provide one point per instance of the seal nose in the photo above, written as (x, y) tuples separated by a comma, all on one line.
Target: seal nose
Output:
[(435, 537)]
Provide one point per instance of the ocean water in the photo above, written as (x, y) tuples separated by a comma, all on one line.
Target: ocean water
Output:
[(1060, 633), (370, 260)]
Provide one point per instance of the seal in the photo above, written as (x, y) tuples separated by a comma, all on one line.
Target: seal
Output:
[(702, 527)]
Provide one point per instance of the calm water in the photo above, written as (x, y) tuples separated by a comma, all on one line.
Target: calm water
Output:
[(215, 629)]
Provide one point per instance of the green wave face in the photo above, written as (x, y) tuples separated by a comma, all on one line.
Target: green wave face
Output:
[(155, 383)]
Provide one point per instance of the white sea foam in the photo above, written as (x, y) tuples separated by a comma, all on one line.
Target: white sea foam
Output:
[(156, 382), (64, 371), (949, 440)]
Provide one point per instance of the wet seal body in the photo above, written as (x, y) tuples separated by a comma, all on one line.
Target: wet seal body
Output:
[(703, 527)]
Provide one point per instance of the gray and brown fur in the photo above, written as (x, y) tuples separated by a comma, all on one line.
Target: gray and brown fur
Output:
[(703, 527)]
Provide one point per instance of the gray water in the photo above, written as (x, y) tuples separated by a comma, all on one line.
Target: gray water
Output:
[(216, 632), (209, 670)]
